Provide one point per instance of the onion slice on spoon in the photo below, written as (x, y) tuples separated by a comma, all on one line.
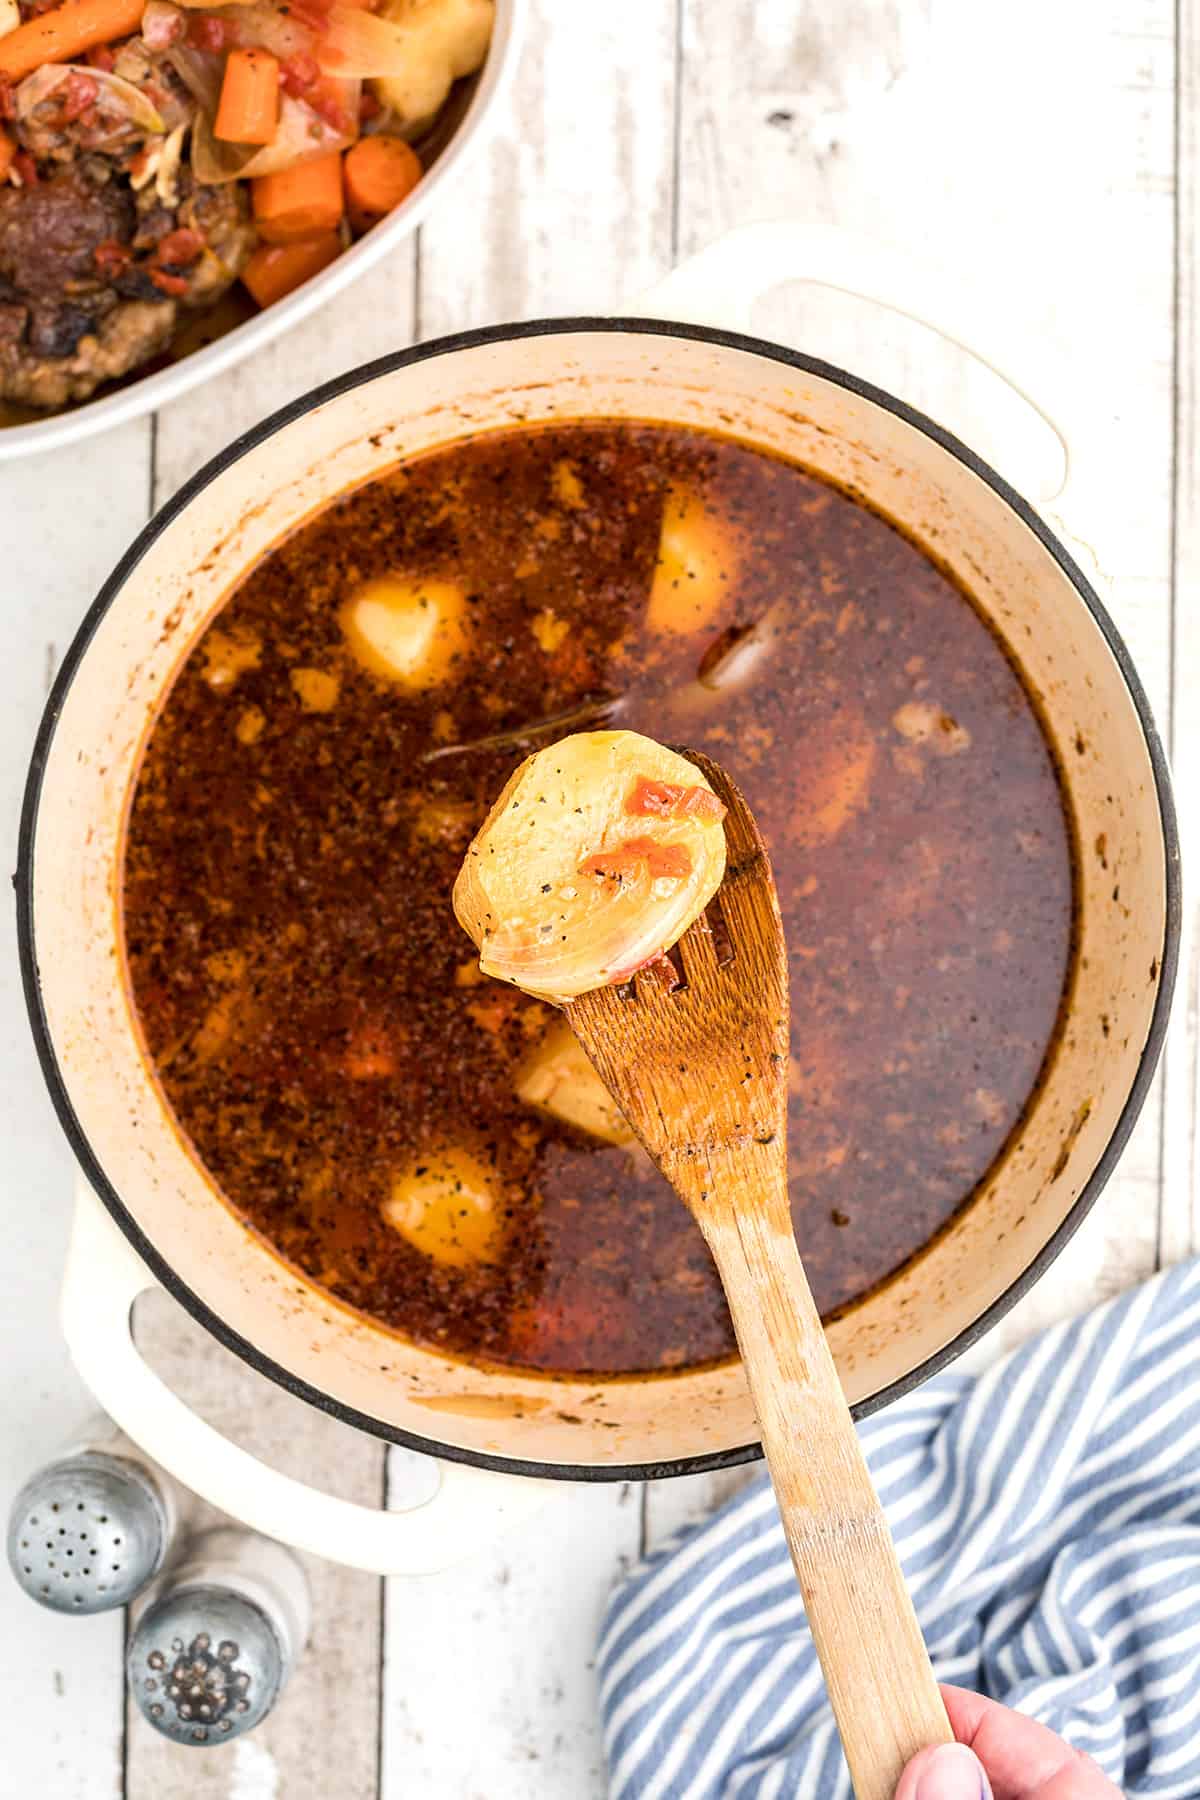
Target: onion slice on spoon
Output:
[(599, 853)]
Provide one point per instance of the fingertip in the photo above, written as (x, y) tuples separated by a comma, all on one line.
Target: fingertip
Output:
[(944, 1772)]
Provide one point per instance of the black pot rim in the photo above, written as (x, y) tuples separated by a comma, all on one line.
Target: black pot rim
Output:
[(278, 421)]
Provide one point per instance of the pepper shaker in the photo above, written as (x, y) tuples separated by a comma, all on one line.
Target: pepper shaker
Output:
[(215, 1646)]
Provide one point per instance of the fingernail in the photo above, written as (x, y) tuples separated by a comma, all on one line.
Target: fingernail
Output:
[(953, 1773)]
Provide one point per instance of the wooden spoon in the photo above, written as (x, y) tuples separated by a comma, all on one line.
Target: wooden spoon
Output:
[(701, 1075)]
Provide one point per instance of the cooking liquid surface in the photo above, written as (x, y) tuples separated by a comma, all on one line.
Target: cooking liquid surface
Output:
[(313, 1010)]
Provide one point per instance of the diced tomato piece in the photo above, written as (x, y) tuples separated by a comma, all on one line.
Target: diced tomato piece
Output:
[(570, 1329), (102, 58), (670, 800), (26, 168), (496, 1009), (653, 797), (311, 13), (671, 860), (110, 257), (674, 860), (206, 32), (662, 972), (700, 803), (179, 248), (369, 1057), (80, 94), (175, 285), (298, 73), (327, 104)]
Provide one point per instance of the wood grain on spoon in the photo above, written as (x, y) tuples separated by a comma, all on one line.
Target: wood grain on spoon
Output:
[(701, 1075)]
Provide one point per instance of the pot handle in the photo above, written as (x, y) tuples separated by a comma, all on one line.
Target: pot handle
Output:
[(721, 283), (104, 1276)]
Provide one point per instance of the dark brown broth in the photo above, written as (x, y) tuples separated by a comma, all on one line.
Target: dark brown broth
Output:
[(287, 914)]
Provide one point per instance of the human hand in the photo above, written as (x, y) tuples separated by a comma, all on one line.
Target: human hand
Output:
[(1001, 1755)]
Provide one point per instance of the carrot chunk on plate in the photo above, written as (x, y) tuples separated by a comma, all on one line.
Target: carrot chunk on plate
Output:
[(302, 202), (248, 110), (379, 172), (275, 269), (62, 36)]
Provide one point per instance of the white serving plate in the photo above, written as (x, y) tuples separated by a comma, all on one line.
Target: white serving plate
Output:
[(155, 390)]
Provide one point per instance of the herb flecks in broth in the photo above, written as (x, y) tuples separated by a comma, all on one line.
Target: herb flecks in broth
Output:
[(315, 1015)]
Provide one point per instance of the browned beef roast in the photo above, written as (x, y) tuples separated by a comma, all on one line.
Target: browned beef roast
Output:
[(82, 297), (49, 232)]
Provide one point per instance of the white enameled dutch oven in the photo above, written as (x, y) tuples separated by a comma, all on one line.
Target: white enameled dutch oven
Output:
[(145, 393), (149, 1213)]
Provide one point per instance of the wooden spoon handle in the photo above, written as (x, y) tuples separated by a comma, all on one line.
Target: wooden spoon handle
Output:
[(876, 1666)]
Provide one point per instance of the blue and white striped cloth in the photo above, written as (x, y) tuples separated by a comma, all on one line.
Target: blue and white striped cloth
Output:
[(1048, 1517)]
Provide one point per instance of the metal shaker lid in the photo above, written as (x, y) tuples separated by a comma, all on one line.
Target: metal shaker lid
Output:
[(204, 1664), (86, 1533)]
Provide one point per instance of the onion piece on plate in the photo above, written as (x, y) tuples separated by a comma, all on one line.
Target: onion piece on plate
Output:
[(599, 853), (115, 98), (300, 136), (199, 70)]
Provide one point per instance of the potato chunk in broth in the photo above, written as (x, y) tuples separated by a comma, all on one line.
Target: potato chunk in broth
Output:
[(403, 1129)]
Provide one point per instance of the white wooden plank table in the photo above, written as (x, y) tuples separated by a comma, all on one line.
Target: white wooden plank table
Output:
[(1035, 149)]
